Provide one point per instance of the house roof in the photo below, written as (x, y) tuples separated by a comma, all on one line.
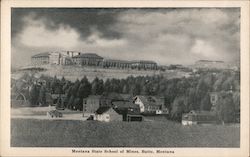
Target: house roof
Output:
[(101, 110), (44, 54), (88, 55), (150, 100), (124, 104)]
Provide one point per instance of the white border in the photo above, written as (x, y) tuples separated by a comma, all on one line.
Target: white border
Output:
[(6, 5)]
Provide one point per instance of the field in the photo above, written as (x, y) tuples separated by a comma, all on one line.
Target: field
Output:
[(76, 133)]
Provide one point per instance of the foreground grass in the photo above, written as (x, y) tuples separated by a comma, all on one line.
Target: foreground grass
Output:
[(59, 133)]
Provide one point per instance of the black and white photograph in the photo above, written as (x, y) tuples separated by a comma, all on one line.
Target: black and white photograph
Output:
[(125, 77)]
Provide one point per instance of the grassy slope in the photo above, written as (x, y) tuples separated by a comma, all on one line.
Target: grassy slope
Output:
[(46, 133), (74, 72)]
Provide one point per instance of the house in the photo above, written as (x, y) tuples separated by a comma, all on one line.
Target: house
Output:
[(150, 105), (107, 114), (199, 117), (93, 102)]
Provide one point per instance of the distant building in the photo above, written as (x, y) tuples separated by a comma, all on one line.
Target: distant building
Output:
[(56, 58), (210, 64), (150, 104), (89, 59), (199, 117), (70, 53), (143, 64), (40, 59), (112, 63)]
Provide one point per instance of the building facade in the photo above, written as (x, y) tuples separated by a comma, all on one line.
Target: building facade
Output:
[(142, 64), (53, 58), (88, 59), (111, 63)]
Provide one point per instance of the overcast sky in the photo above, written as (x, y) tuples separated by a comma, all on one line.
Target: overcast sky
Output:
[(167, 36)]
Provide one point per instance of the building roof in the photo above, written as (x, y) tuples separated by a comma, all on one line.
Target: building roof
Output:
[(124, 104), (117, 60), (44, 54), (143, 61), (88, 55), (101, 110), (150, 100), (210, 61)]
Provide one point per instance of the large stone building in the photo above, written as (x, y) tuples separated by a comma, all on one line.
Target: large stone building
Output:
[(112, 63), (89, 59), (56, 58), (143, 64)]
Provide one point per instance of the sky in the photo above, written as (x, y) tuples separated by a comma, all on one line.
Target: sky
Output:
[(165, 35)]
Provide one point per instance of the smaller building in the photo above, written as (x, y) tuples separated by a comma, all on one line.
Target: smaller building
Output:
[(199, 117), (107, 114), (150, 105)]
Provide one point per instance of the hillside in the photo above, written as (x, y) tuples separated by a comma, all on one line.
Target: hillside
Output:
[(74, 72)]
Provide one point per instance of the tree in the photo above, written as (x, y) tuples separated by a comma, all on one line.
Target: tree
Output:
[(84, 89), (225, 108), (107, 86), (97, 86), (34, 94), (42, 96), (205, 103), (178, 107)]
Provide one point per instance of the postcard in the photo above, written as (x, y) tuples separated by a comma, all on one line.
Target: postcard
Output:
[(124, 78)]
